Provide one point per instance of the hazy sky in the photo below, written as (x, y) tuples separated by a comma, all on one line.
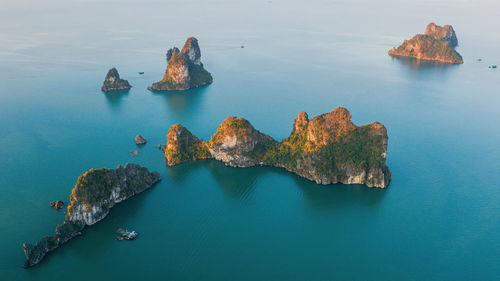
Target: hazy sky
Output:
[(61, 30)]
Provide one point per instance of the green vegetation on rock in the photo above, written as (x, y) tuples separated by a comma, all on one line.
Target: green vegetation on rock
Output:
[(184, 70), (327, 149), (436, 45)]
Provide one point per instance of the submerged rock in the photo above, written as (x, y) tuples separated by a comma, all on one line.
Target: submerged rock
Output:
[(184, 70), (140, 140), (94, 194), (112, 82), (134, 152), (437, 44), (326, 149)]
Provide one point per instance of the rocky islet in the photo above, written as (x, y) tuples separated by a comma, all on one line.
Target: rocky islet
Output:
[(327, 149), (94, 194), (437, 44), (184, 70), (113, 82)]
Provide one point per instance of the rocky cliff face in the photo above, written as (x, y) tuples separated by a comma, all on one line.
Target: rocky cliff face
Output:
[(437, 44), (442, 33), (184, 70), (94, 194), (172, 52), (182, 146), (112, 82), (327, 149), (238, 144)]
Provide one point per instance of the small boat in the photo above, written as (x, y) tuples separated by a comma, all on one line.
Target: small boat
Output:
[(242, 46), (141, 72), (493, 66)]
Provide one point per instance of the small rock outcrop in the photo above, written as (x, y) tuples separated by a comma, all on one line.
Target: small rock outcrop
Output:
[(134, 152), (437, 44), (57, 205), (112, 82), (139, 140), (327, 149), (184, 70), (94, 194)]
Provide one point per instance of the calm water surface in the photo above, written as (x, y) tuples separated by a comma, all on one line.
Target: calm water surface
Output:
[(438, 220)]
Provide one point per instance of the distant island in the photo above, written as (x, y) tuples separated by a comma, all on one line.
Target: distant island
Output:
[(184, 69), (113, 82), (437, 44), (327, 149), (94, 194)]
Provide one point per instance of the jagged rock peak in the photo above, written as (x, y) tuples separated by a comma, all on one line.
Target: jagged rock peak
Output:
[(300, 122), (192, 50), (184, 70), (443, 33), (172, 52), (113, 82), (182, 146)]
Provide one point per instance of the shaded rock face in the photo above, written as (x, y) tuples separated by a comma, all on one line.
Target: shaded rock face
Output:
[(94, 194), (444, 33), (172, 52), (192, 50), (112, 82), (437, 44), (184, 70), (328, 149)]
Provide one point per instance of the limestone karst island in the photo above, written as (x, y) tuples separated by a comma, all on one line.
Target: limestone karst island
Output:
[(113, 82), (184, 70), (94, 194), (327, 149), (437, 44)]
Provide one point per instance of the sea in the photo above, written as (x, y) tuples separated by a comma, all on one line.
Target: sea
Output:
[(439, 219)]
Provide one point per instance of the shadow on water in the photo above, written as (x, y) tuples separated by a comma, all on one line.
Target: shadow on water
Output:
[(424, 69), (100, 236), (338, 195), (114, 98), (237, 183), (179, 173), (183, 101)]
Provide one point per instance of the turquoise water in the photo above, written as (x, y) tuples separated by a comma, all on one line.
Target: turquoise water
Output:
[(438, 220)]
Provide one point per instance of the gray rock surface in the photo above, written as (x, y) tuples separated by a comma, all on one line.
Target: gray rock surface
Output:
[(94, 194)]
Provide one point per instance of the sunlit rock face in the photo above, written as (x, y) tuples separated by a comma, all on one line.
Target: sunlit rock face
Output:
[(94, 194), (443, 33), (437, 44), (327, 149), (184, 70)]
